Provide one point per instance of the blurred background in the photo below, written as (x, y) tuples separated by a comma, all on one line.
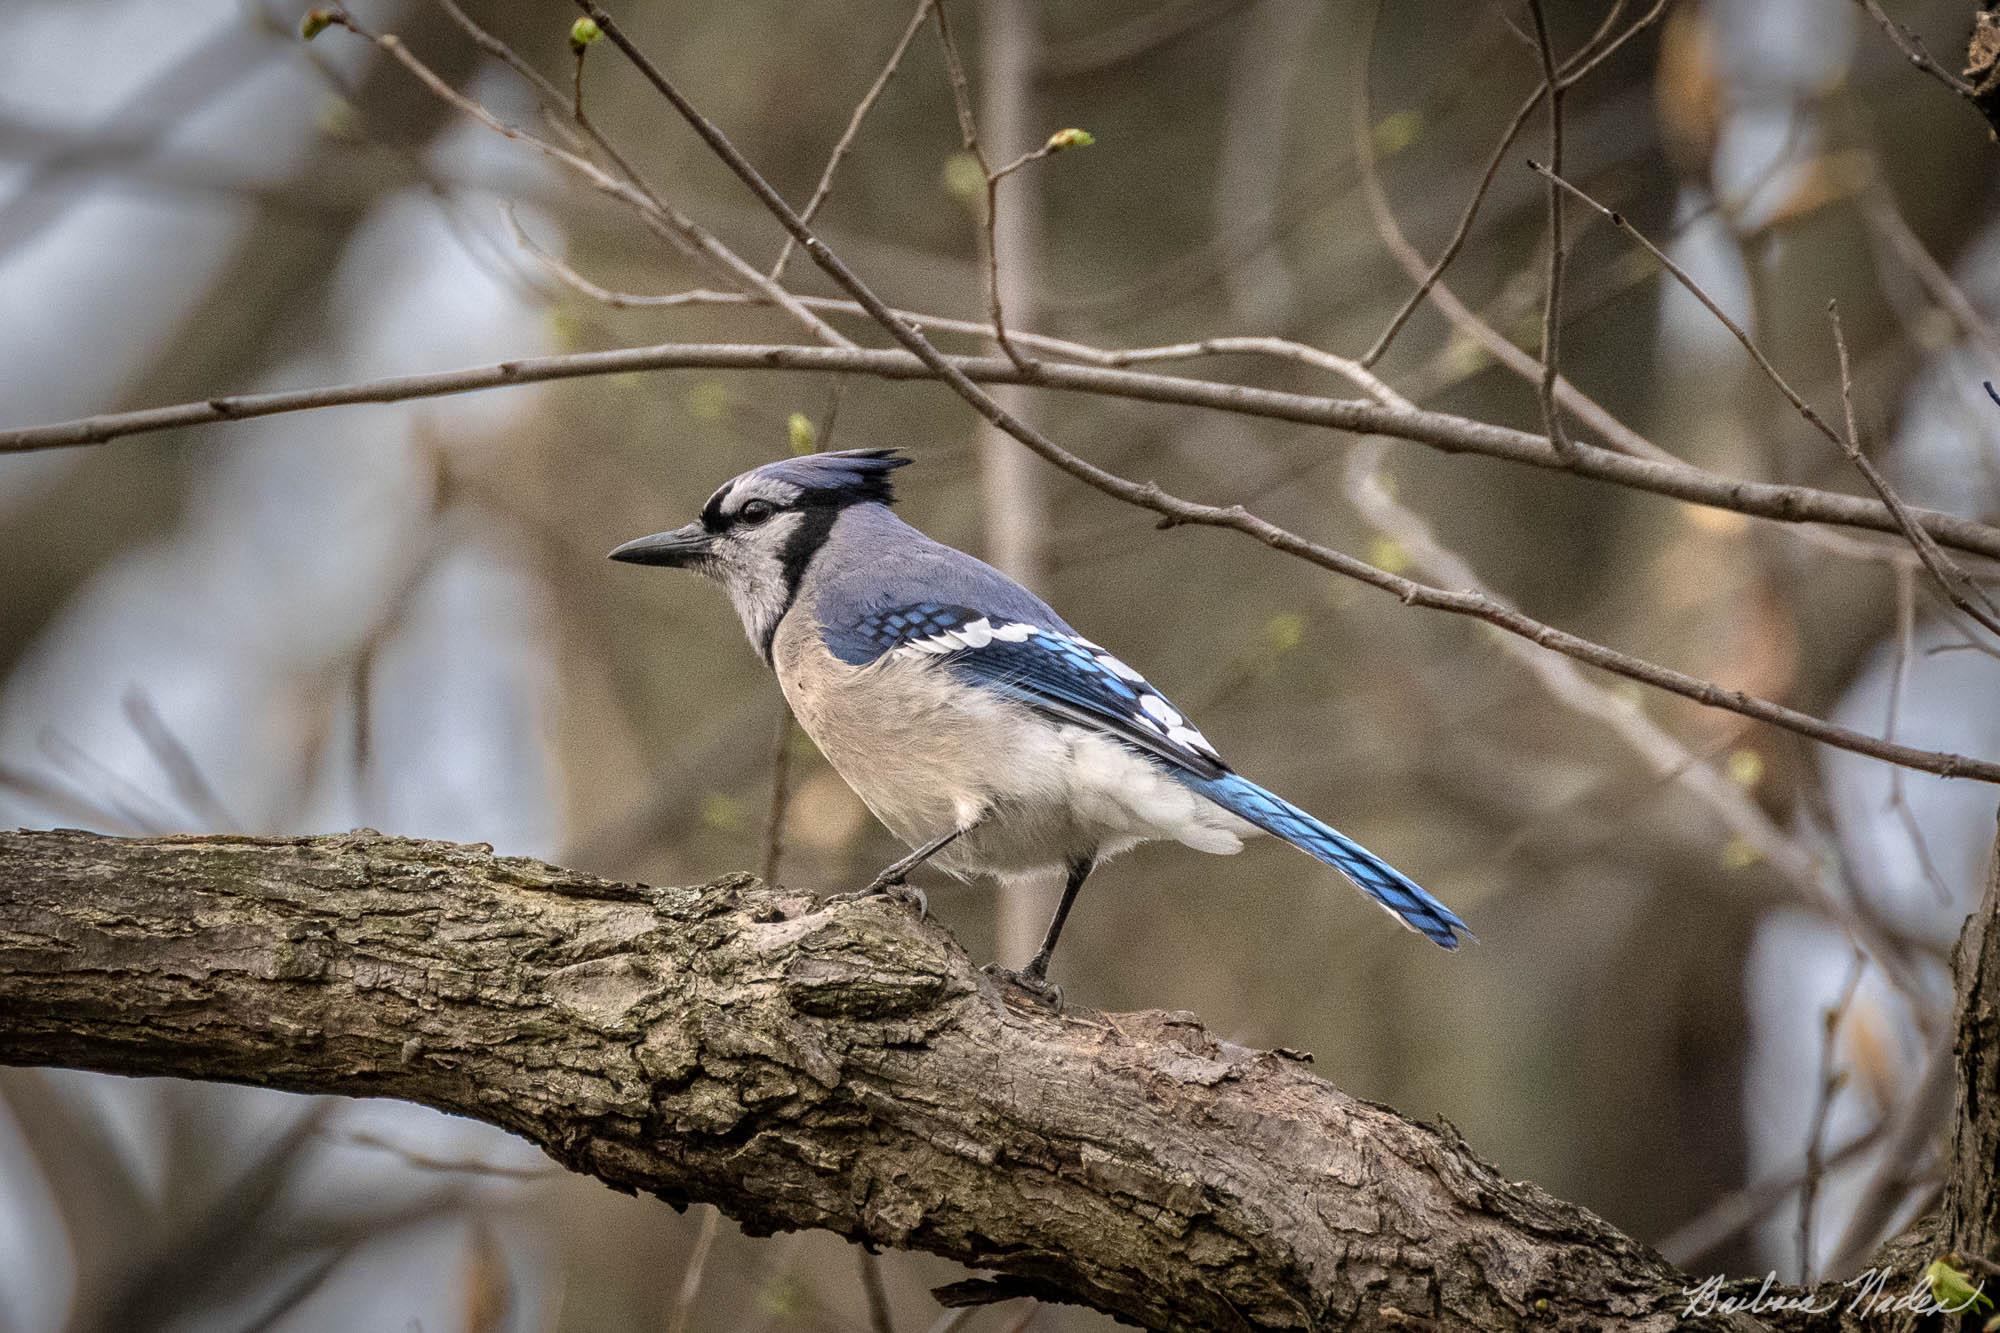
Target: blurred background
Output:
[(400, 616)]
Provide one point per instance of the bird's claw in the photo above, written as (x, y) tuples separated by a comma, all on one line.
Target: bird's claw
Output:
[(909, 895), (1038, 988), (896, 890)]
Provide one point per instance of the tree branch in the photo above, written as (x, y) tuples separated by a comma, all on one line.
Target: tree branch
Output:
[(1452, 434), (799, 1065), (1443, 431)]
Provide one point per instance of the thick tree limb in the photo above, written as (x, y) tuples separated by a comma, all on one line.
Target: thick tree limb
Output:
[(799, 1065), (1972, 1199)]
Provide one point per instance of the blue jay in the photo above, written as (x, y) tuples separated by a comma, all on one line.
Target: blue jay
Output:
[(988, 735)]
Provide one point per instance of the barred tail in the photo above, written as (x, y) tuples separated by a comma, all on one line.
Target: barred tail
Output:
[(1368, 872)]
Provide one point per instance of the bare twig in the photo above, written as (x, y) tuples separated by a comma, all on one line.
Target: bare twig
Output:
[(657, 216), (1284, 349), (1913, 50), (1616, 434), (1696, 290), (968, 126), (1666, 757), (1956, 584), (847, 137), (1439, 430), (555, 105), (1578, 67), (1899, 677), (1552, 293), (1831, 1079)]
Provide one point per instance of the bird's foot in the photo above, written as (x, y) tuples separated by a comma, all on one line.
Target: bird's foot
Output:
[(1033, 981), (896, 890)]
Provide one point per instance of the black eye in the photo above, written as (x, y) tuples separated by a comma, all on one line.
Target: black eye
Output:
[(754, 512)]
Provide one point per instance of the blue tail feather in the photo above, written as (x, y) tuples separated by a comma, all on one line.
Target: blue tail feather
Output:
[(1388, 886)]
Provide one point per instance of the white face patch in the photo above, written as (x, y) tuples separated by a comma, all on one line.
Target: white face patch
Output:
[(749, 562)]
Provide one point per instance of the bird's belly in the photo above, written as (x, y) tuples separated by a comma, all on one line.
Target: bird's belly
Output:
[(925, 754)]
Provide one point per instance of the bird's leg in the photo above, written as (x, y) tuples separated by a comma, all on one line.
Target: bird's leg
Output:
[(1034, 978), (890, 881)]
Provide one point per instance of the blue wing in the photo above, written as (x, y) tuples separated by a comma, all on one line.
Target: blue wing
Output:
[(1052, 670)]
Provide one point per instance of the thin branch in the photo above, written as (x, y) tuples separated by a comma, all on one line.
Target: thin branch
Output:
[(555, 105), (1284, 349), (1913, 50), (1956, 584), (968, 126), (1899, 678), (1615, 432), (658, 217), (847, 137), (1552, 297), (1439, 430), (1578, 67), (1696, 290)]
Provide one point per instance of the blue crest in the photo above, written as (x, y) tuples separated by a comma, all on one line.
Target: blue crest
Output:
[(842, 475)]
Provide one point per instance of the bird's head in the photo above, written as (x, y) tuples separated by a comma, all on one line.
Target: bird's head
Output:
[(759, 531)]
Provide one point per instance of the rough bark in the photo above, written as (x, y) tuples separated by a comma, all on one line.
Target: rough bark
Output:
[(1982, 62), (802, 1064), (1970, 1214)]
